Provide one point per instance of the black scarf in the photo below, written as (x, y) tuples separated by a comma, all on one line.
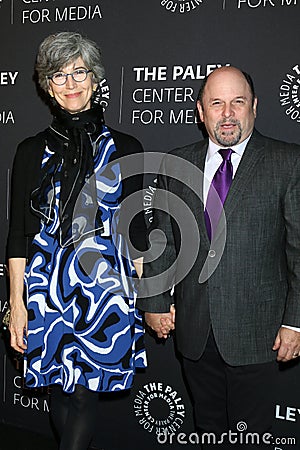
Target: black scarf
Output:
[(70, 137)]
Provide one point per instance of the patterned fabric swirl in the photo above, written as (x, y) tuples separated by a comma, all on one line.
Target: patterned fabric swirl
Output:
[(82, 321)]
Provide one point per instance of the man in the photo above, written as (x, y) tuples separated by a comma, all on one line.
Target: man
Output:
[(234, 318)]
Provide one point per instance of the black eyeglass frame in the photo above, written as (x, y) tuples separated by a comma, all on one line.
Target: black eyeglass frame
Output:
[(66, 75)]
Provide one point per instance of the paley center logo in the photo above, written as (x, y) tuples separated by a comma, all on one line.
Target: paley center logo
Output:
[(180, 6), (3, 270), (159, 408), (103, 94), (289, 93), (8, 78)]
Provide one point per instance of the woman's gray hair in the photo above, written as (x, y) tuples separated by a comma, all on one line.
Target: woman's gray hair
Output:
[(61, 49)]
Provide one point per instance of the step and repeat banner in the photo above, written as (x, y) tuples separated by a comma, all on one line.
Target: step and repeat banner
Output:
[(156, 53)]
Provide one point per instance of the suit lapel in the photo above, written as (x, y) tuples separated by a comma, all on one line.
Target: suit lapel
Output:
[(244, 173)]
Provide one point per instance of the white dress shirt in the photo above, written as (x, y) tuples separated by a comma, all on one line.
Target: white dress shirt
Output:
[(214, 159)]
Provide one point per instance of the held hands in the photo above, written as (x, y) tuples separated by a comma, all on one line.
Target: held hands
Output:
[(161, 323), (287, 344), (18, 327)]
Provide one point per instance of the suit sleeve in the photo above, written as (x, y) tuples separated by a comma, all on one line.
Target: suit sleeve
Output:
[(160, 263), (292, 221)]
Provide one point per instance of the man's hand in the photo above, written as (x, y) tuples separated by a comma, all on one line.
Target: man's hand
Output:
[(287, 344), (161, 323)]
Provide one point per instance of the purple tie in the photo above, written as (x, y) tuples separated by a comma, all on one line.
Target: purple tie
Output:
[(218, 192)]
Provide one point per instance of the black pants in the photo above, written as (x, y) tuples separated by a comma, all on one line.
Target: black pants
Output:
[(74, 417), (231, 399)]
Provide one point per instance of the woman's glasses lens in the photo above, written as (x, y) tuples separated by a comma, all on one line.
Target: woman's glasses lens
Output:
[(60, 78)]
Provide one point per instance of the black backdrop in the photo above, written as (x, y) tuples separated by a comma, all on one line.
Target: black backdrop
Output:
[(156, 53)]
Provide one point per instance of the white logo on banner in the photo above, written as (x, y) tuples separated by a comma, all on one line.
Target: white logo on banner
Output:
[(180, 6), (20, 399), (104, 96), (289, 93), (159, 408), (2, 270), (7, 117), (263, 3), (3, 305), (166, 94), (59, 14), (8, 78), (291, 414), (148, 201)]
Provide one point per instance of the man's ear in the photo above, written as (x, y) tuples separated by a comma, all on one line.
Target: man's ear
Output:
[(254, 107), (200, 111)]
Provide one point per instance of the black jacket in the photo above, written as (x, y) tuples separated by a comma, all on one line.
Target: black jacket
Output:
[(25, 178)]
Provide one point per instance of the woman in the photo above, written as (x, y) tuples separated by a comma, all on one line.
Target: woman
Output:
[(68, 239)]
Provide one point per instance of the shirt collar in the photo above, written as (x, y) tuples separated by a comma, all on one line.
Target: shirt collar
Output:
[(214, 148)]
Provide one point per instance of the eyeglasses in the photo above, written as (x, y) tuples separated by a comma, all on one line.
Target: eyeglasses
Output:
[(60, 78)]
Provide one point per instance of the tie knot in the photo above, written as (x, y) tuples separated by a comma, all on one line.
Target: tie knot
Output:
[(226, 153)]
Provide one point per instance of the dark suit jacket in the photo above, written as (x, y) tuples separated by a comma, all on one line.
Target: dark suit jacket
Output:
[(250, 274)]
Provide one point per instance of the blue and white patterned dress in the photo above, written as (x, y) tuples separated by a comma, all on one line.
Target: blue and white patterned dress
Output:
[(83, 327)]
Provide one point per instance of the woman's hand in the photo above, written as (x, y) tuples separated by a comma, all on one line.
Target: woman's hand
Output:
[(161, 323), (18, 326), (18, 313)]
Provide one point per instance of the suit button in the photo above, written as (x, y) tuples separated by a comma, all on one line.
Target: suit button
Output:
[(211, 253)]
